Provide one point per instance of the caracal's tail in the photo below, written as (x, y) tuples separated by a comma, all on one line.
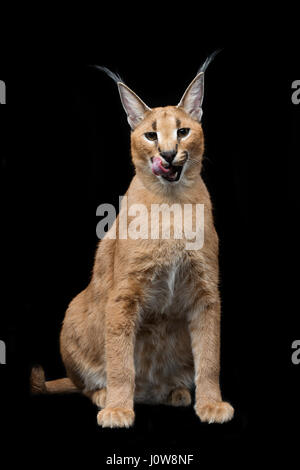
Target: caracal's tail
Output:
[(39, 385)]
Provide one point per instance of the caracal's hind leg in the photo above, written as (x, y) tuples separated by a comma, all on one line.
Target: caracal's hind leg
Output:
[(180, 396), (98, 397)]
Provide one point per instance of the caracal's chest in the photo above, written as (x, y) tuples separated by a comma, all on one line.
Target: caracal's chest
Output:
[(169, 291), (163, 355)]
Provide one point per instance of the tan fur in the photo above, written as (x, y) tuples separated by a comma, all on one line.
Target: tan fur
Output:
[(39, 385), (147, 327), (180, 397)]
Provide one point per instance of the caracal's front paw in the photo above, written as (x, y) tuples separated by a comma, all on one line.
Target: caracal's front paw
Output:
[(115, 417), (215, 412), (180, 397)]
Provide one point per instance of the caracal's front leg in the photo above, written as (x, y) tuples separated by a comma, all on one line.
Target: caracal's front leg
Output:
[(121, 316), (204, 328)]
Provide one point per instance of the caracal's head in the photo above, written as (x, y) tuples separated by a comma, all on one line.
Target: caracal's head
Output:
[(167, 143)]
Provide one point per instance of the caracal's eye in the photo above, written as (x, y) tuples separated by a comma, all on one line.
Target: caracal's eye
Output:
[(183, 132), (151, 135)]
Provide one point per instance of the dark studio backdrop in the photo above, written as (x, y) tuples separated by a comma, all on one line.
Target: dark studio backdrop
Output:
[(65, 151)]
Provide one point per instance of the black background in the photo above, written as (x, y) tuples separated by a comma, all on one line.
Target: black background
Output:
[(65, 150)]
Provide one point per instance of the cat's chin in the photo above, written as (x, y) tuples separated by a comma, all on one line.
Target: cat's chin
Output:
[(173, 175)]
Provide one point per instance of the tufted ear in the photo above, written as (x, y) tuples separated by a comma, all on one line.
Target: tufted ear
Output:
[(135, 108), (192, 98)]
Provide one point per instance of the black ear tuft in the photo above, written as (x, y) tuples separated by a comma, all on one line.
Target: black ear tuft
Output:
[(114, 76), (208, 61)]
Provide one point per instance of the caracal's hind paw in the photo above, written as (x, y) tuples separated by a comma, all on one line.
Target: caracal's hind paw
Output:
[(180, 397), (99, 397)]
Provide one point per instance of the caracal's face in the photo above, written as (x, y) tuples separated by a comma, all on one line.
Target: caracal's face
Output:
[(166, 143), (167, 146)]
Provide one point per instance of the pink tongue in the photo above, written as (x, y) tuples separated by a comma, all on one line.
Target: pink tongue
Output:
[(157, 167)]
